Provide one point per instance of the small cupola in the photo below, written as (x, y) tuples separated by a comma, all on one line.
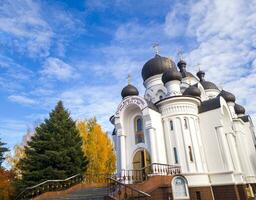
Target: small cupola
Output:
[(206, 84), (182, 65), (192, 91), (129, 90), (228, 96), (171, 79), (240, 110), (171, 75)]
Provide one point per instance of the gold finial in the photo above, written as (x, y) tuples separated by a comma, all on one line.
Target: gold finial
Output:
[(129, 79), (180, 54), (198, 65), (156, 48)]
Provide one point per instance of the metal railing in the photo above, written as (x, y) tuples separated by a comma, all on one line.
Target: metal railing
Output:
[(49, 186), (58, 185), (122, 191), (154, 169), (118, 181)]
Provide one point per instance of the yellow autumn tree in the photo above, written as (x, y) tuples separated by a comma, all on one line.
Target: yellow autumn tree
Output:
[(97, 147), (13, 160)]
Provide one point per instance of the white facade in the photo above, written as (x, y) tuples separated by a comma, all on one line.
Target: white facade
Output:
[(203, 135)]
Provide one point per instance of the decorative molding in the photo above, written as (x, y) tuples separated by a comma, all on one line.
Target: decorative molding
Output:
[(136, 100), (175, 109)]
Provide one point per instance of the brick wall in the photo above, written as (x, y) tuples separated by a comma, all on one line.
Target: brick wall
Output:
[(205, 193), (226, 192)]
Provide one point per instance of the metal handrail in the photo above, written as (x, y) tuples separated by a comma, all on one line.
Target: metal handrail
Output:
[(63, 183), (138, 175), (47, 182), (126, 186)]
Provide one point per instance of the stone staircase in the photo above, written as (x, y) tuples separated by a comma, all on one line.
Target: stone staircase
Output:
[(85, 193)]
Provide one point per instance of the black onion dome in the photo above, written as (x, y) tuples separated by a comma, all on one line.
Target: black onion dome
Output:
[(171, 75), (182, 67), (192, 91), (129, 90), (209, 85), (200, 74), (239, 109), (229, 97), (156, 65), (206, 84), (182, 63)]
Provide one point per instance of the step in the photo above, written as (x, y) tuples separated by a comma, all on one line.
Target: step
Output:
[(86, 193)]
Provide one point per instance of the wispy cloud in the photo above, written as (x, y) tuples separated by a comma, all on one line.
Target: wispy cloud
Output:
[(58, 69), (23, 28), (217, 34), (225, 32), (22, 99)]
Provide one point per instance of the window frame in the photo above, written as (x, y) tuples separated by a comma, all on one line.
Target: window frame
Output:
[(185, 185), (138, 130), (185, 123), (171, 125), (190, 152), (176, 157)]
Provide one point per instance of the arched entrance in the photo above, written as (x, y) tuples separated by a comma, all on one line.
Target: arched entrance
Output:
[(141, 164)]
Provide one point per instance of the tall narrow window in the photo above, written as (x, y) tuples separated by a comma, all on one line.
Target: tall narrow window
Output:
[(175, 155), (186, 123), (171, 125), (190, 153), (139, 134)]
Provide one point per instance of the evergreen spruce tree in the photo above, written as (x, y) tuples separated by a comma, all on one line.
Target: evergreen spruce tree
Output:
[(3, 149), (54, 152)]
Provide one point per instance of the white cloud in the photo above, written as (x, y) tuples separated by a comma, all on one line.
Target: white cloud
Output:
[(21, 99), (58, 69), (176, 20), (23, 28), (225, 32)]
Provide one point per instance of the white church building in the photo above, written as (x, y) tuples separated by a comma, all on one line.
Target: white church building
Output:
[(184, 120)]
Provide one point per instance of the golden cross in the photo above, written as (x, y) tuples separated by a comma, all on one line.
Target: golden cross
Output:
[(156, 48), (198, 65), (129, 79), (180, 54)]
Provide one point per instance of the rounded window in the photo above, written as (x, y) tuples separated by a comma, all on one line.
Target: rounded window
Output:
[(139, 134), (180, 188)]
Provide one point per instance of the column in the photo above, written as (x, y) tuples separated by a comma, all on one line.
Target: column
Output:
[(243, 155), (233, 150), (122, 150), (168, 141), (152, 144), (226, 157)]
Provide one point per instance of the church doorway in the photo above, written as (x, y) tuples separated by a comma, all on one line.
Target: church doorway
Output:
[(141, 164)]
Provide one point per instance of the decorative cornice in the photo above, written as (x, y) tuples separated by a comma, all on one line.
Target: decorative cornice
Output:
[(175, 109)]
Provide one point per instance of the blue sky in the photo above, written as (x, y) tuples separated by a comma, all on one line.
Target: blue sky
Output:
[(82, 51)]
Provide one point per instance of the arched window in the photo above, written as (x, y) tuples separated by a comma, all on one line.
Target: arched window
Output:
[(180, 188), (139, 134), (186, 123), (190, 153), (175, 155), (171, 125)]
